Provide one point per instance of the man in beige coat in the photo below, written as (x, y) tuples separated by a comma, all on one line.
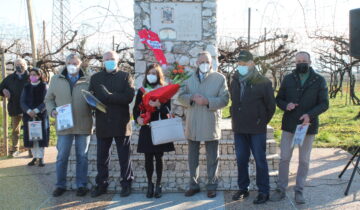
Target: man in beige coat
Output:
[(203, 95), (65, 88)]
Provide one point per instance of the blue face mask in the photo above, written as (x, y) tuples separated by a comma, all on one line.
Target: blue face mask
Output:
[(243, 70), (110, 65)]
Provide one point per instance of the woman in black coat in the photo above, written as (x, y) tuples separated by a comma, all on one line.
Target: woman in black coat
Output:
[(154, 78), (33, 107)]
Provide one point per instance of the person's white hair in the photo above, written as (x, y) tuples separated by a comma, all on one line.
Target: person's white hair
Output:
[(206, 53), (72, 56), (21, 61), (116, 56)]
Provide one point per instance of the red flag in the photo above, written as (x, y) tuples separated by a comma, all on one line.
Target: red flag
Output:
[(151, 39)]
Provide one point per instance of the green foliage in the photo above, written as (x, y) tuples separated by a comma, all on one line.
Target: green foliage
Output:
[(338, 127)]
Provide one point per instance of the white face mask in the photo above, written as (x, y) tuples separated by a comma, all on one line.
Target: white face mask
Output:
[(204, 68), (72, 69), (151, 78)]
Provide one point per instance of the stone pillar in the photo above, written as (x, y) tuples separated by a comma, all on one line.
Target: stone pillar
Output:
[(185, 27)]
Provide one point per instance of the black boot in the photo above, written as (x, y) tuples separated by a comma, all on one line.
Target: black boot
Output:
[(31, 163), (158, 191), (41, 162), (150, 190)]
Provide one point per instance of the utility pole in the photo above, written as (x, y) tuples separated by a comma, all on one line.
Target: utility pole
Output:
[(44, 37), (113, 43), (264, 41), (249, 21), (32, 34), (5, 120)]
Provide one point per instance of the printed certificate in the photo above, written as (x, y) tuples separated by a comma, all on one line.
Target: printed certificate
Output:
[(299, 135), (35, 131), (64, 118)]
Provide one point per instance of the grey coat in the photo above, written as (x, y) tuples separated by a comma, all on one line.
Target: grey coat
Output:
[(202, 122)]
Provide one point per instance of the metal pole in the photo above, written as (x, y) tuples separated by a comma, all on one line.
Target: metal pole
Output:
[(249, 20), (265, 41), (5, 116), (32, 34), (113, 42), (44, 37)]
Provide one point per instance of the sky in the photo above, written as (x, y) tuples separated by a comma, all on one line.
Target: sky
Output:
[(106, 18)]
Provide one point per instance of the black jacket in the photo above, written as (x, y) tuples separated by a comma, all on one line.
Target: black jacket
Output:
[(312, 99), (145, 144), (33, 97), (252, 114), (116, 91), (15, 86)]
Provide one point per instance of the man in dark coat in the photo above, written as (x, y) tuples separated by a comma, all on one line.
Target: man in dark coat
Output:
[(11, 88), (303, 96), (253, 106), (115, 89)]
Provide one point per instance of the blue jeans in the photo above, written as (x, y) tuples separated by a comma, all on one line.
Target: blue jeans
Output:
[(257, 144), (63, 146)]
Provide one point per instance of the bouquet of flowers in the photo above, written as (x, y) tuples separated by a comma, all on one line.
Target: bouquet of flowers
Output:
[(177, 76)]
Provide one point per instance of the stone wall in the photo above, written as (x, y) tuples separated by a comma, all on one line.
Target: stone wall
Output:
[(184, 52), (176, 172)]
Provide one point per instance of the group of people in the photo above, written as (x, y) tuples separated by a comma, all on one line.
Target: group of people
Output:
[(302, 96)]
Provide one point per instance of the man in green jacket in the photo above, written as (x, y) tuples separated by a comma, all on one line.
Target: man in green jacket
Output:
[(303, 96), (66, 88)]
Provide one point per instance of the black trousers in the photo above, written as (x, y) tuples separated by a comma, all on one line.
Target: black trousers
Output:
[(103, 159)]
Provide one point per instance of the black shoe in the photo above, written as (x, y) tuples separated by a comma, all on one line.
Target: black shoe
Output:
[(58, 192), (211, 193), (125, 191), (191, 192), (81, 191), (261, 198), (97, 191), (41, 162), (30, 153), (241, 194), (150, 190), (31, 163), (158, 191)]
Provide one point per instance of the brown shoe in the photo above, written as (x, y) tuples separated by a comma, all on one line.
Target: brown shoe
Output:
[(211, 193), (191, 192)]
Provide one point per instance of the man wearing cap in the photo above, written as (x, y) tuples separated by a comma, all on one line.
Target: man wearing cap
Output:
[(253, 106), (11, 88), (303, 96)]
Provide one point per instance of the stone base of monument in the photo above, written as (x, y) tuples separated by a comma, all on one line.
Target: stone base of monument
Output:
[(175, 171)]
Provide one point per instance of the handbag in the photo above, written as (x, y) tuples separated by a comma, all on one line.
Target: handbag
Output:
[(167, 130), (35, 130)]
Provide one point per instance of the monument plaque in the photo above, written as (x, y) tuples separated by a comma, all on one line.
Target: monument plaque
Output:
[(177, 21)]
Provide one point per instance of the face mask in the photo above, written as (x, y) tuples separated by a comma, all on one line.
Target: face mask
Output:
[(243, 70), (302, 68), (34, 79), (18, 69), (151, 78), (110, 65), (204, 67), (72, 69)]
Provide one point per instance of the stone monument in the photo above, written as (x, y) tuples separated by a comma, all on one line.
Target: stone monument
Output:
[(185, 27)]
